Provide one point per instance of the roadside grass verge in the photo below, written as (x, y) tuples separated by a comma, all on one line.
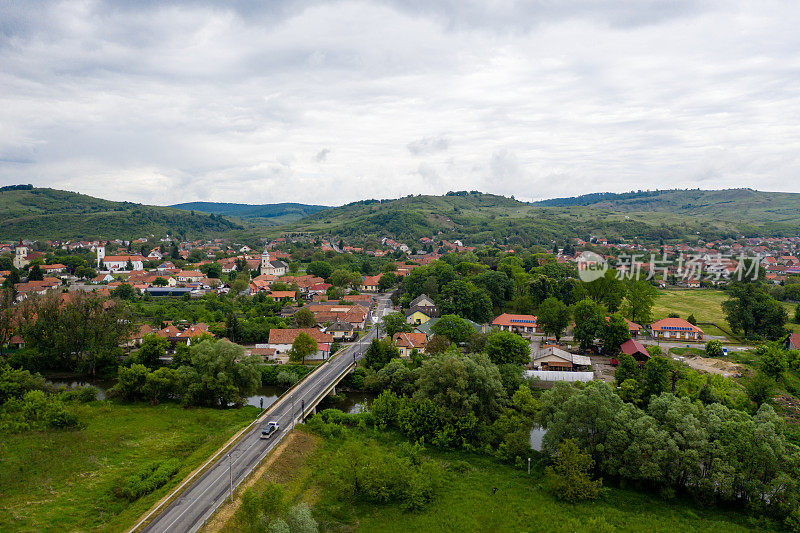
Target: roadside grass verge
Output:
[(64, 480)]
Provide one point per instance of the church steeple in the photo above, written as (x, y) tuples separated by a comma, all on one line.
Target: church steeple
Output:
[(265, 261)]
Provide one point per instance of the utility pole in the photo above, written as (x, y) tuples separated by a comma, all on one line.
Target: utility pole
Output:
[(529, 466)]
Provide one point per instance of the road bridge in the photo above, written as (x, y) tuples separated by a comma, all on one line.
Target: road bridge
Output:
[(196, 499)]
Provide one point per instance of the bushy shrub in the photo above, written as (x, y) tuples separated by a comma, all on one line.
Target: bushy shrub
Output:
[(373, 474), (146, 479), (286, 379), (81, 394), (713, 348), (270, 373), (568, 479)]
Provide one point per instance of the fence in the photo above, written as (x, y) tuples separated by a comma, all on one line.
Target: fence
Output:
[(555, 375)]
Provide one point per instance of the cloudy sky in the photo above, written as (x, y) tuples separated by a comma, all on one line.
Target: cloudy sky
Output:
[(331, 102)]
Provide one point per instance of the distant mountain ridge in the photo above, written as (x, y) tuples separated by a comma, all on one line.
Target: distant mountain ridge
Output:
[(648, 215), (470, 216), (271, 214)]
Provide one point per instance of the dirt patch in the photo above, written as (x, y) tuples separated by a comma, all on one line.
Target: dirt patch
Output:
[(791, 405), (278, 467), (715, 366)]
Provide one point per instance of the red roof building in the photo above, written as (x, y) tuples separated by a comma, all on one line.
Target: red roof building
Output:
[(675, 328), (636, 349), (516, 323)]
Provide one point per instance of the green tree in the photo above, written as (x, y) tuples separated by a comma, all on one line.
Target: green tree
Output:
[(462, 386), (714, 348), (498, 285), (212, 270), (7, 319), (125, 291), (553, 316), (160, 282), (35, 273), (160, 385), (220, 374), (507, 347), (607, 290), (379, 353), (152, 349), (343, 278), (751, 310), (759, 388), (321, 269), (437, 344), (85, 272), (80, 334), (304, 318), (241, 283), (797, 314), (196, 255), (455, 328), (395, 323), (615, 332), (640, 297), (569, 478), (772, 360), (589, 322), (387, 281), (303, 346), (656, 376), (130, 382), (627, 369), (464, 299)]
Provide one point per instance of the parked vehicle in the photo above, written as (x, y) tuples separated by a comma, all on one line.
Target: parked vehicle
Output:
[(270, 429)]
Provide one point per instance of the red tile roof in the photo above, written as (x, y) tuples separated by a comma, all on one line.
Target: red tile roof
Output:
[(410, 340), (794, 341), (674, 324), (632, 347), (507, 319), (287, 336)]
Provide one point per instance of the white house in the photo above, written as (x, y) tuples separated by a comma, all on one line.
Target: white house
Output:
[(120, 262)]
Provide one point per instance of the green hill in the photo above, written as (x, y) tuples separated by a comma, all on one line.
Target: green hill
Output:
[(649, 216), (267, 214), (35, 213), (740, 211)]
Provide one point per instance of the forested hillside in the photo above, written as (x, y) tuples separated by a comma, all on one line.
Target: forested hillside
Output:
[(269, 214), (35, 213), (649, 215)]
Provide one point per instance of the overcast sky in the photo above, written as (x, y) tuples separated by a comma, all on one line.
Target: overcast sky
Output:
[(331, 102)]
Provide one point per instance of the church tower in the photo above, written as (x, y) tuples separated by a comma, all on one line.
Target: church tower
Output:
[(265, 262), (101, 253)]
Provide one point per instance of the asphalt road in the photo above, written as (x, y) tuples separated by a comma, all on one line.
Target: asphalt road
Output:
[(188, 512)]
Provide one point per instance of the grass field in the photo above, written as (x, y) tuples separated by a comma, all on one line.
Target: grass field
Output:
[(466, 501), (705, 305), (62, 480)]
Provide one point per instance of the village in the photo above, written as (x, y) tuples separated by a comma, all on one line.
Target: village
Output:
[(340, 314)]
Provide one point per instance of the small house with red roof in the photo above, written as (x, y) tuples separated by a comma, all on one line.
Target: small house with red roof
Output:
[(636, 349), (408, 342)]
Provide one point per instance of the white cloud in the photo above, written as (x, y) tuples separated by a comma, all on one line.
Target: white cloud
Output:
[(247, 101)]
